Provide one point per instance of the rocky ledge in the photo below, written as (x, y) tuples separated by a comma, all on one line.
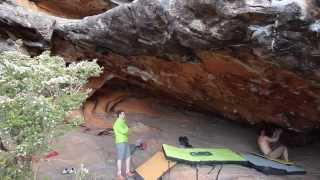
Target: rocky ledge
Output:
[(250, 61)]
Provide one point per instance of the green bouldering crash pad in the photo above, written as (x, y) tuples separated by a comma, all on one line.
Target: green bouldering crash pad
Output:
[(203, 155)]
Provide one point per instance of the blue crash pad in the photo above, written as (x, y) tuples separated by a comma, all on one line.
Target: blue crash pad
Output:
[(268, 166)]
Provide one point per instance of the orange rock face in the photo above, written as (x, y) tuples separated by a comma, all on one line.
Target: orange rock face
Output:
[(73, 9), (242, 89)]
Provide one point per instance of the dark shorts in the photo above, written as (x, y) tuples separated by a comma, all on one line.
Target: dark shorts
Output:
[(123, 151)]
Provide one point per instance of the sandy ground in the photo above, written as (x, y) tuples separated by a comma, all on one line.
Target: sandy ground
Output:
[(97, 153)]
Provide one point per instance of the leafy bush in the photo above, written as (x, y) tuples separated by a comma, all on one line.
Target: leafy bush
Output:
[(35, 96)]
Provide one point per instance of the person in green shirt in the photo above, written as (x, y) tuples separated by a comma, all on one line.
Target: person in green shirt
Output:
[(121, 132)]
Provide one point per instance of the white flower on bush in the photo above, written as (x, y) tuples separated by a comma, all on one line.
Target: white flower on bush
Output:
[(82, 173), (57, 80), (36, 103), (83, 169)]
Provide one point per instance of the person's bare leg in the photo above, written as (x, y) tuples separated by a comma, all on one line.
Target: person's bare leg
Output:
[(128, 171), (277, 153), (128, 164), (285, 154), (119, 166)]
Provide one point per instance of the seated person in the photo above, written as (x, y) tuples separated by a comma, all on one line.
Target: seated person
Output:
[(268, 147)]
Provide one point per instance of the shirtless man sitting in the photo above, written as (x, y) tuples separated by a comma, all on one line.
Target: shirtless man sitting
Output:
[(265, 143)]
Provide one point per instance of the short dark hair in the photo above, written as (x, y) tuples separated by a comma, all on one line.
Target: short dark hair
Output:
[(118, 113), (267, 128), (267, 131)]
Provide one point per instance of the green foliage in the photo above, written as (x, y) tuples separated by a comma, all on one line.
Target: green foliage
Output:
[(35, 96)]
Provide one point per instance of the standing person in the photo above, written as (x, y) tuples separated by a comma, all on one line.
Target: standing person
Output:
[(121, 131), (266, 144)]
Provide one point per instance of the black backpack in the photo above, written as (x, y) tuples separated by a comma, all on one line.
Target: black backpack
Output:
[(184, 141)]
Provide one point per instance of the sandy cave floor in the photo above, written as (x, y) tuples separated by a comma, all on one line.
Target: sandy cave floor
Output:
[(97, 153)]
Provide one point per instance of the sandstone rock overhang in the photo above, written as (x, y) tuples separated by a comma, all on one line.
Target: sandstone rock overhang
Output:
[(71, 9), (251, 61)]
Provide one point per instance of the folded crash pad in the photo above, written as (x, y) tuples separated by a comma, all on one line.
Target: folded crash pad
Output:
[(203, 155), (155, 167), (277, 160), (269, 166)]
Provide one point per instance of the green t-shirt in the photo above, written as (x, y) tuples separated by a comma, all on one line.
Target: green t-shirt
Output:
[(121, 131)]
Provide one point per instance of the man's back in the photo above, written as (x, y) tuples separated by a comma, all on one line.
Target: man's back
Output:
[(264, 144)]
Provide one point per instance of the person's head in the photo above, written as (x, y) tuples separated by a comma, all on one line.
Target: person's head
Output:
[(266, 132), (265, 129), (121, 114)]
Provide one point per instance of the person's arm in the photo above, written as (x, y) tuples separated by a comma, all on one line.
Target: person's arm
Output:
[(121, 127), (275, 137)]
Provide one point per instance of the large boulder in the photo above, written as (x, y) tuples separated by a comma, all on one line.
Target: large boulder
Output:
[(251, 61)]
